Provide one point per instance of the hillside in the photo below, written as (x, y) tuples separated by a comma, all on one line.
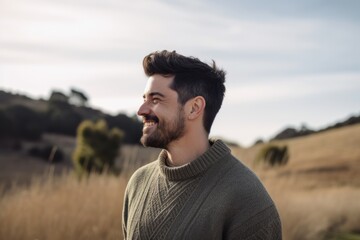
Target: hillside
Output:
[(317, 192), (8, 99), (322, 159), (41, 105), (291, 132), (326, 158), (22, 117)]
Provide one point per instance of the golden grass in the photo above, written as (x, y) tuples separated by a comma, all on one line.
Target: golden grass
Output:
[(64, 208), (334, 145), (317, 214), (317, 194)]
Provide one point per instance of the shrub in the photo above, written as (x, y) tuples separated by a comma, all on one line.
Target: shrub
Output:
[(272, 155), (96, 148)]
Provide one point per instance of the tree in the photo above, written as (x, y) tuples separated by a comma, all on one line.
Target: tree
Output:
[(96, 148), (25, 122), (57, 96), (63, 118), (132, 127), (6, 125), (78, 98)]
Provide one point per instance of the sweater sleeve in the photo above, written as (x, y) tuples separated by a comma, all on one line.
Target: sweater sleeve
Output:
[(265, 225)]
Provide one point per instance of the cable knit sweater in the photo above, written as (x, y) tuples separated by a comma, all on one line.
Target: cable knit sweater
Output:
[(213, 197)]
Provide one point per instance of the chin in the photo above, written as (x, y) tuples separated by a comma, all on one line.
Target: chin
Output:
[(149, 142)]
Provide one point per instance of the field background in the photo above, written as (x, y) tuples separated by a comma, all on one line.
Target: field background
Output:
[(317, 193)]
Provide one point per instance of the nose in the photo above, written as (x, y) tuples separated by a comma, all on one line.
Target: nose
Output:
[(143, 110)]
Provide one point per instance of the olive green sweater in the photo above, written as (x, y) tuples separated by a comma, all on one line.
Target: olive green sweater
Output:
[(213, 197)]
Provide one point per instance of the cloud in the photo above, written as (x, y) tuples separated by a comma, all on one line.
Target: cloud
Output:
[(282, 88), (116, 104), (97, 80), (69, 30)]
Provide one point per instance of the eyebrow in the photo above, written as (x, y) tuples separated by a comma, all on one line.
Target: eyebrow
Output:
[(152, 94)]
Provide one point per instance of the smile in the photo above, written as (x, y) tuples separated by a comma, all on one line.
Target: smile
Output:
[(149, 123)]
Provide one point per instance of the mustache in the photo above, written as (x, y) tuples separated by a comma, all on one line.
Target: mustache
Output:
[(150, 118)]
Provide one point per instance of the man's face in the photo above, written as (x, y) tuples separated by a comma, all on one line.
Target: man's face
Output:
[(163, 116)]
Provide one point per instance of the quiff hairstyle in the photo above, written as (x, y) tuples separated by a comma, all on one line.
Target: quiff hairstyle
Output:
[(192, 78)]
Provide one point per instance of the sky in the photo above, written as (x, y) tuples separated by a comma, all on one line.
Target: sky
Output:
[(288, 63)]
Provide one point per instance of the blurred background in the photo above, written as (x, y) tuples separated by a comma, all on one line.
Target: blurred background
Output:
[(71, 74), (287, 63)]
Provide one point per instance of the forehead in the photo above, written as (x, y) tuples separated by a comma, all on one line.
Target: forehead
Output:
[(159, 83)]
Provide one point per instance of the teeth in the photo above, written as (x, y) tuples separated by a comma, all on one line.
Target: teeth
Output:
[(150, 123)]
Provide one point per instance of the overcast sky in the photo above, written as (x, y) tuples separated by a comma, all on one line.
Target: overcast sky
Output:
[(288, 63)]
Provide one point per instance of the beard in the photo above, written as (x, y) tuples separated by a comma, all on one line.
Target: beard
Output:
[(166, 132)]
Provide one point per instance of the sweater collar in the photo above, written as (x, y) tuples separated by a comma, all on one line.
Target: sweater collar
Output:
[(217, 150)]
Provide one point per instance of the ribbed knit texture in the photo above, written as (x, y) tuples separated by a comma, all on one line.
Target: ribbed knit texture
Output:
[(213, 197)]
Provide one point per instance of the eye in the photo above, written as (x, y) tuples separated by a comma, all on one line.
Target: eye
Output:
[(155, 100)]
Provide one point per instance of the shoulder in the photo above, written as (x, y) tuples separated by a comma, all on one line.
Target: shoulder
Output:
[(241, 188), (140, 176), (242, 178), (250, 205)]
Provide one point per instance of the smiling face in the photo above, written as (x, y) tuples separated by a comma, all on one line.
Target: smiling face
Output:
[(163, 116)]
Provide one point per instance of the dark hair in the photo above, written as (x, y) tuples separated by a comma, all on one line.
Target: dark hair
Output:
[(191, 78)]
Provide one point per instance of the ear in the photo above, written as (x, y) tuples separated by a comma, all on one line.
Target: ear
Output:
[(196, 107)]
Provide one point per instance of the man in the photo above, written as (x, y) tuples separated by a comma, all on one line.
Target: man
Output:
[(196, 189)]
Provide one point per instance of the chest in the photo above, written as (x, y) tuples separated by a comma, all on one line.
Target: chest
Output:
[(182, 210)]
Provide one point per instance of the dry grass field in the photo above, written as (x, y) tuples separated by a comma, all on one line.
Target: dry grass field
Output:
[(64, 208), (317, 193)]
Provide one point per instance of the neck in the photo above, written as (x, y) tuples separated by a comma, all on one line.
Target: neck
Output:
[(187, 149)]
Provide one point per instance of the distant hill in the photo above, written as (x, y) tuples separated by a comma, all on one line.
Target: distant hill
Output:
[(304, 131), (9, 99), (59, 115), (24, 117), (327, 158)]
